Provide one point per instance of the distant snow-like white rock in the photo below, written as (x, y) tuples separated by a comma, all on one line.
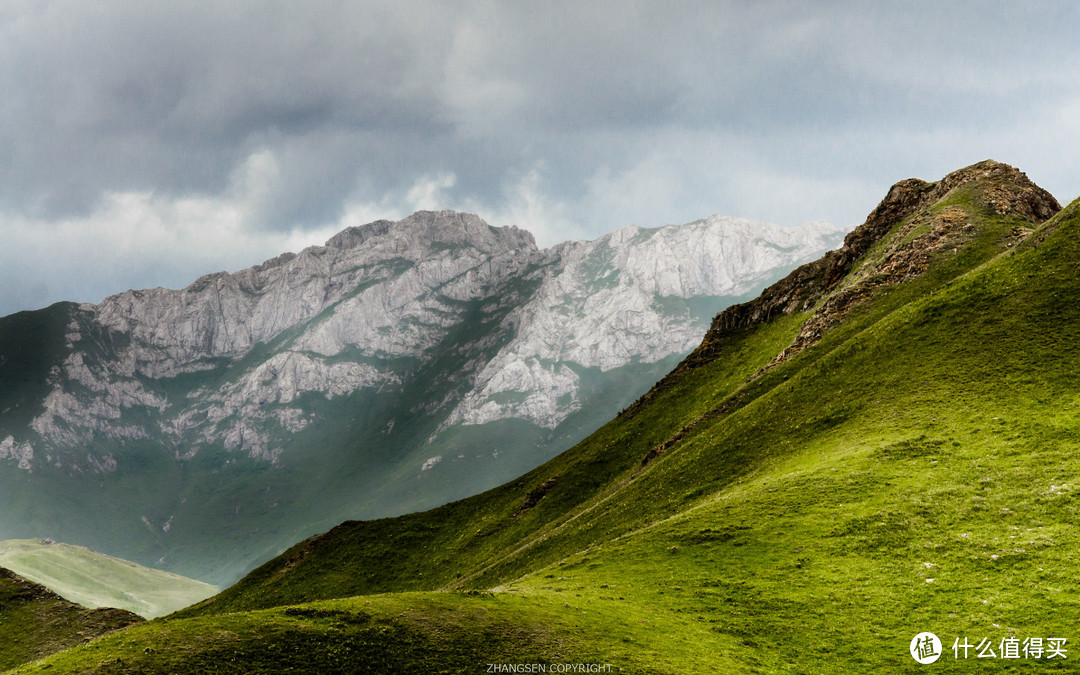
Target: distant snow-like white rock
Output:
[(603, 306), (370, 308)]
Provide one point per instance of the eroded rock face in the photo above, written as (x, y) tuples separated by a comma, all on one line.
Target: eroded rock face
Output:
[(385, 277), (915, 221), (603, 306), (231, 359), (22, 453)]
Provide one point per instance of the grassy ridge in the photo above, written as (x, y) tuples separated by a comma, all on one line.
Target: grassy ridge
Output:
[(915, 469), (96, 580), (403, 633), (35, 622)]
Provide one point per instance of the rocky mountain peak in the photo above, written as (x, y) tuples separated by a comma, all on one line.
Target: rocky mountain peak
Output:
[(354, 236), (423, 230), (1006, 189), (929, 216)]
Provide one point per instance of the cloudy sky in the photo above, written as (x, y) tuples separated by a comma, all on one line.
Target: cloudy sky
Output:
[(146, 143)]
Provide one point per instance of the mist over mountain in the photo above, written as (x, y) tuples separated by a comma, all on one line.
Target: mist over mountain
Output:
[(401, 365)]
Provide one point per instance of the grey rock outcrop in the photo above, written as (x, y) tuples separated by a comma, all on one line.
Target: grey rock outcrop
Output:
[(606, 304), (342, 317)]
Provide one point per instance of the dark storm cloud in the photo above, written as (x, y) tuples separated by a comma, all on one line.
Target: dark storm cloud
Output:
[(152, 120), (172, 96)]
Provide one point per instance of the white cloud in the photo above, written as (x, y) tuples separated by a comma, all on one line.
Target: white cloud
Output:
[(528, 204), (137, 239), (428, 192)]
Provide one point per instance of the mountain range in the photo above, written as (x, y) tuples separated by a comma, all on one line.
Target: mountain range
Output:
[(880, 446), (879, 449), (398, 367)]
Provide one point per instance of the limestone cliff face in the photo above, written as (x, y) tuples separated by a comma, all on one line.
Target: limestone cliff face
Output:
[(609, 302), (380, 280), (234, 359)]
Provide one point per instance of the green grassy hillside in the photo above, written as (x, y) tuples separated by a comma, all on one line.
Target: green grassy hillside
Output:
[(882, 444), (35, 622), (95, 580)]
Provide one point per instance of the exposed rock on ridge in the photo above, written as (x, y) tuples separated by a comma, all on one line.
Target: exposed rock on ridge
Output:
[(1003, 189), (223, 314)]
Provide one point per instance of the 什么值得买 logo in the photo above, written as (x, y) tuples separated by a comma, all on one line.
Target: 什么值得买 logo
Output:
[(925, 648)]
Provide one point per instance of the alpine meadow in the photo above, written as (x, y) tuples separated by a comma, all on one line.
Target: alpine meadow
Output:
[(882, 443)]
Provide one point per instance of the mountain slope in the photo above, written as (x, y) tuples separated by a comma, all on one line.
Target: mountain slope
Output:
[(35, 622), (908, 464), (95, 580), (706, 391), (398, 367)]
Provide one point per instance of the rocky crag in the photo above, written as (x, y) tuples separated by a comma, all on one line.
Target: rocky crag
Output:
[(1007, 190), (925, 219)]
